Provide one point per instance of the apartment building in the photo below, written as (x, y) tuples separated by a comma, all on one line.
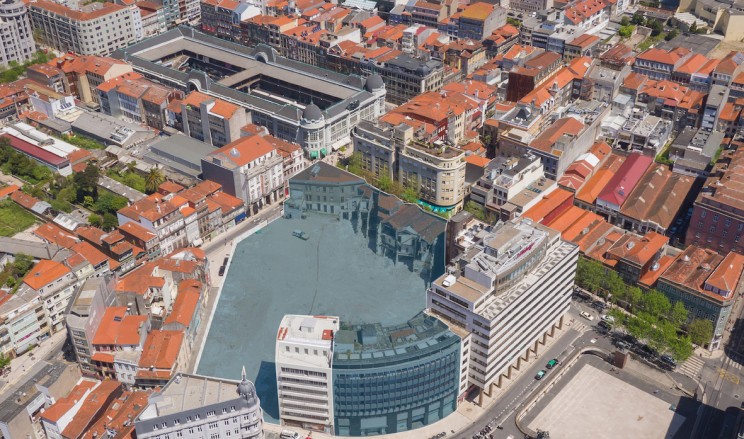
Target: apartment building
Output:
[(304, 380), (84, 316), (509, 296), (660, 64), (133, 98), (223, 17), (54, 283), (717, 221), (194, 406), (160, 217), (249, 168), (93, 29), (707, 283), (212, 120), (16, 37), (478, 20), (24, 322)]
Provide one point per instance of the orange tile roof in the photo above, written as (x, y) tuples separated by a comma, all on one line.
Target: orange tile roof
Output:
[(187, 300), (44, 273), (63, 405), (170, 187), (477, 160), (649, 277), (196, 98), (670, 57), (546, 141), (53, 234), (634, 80), (224, 109), (74, 14), (638, 250), (140, 280), (244, 150), (118, 328), (90, 253), (591, 190), (151, 208), (4, 192), (692, 268), (24, 200), (94, 404), (102, 357), (138, 231), (161, 350), (584, 40), (727, 275), (227, 202), (118, 416), (477, 11), (548, 204)]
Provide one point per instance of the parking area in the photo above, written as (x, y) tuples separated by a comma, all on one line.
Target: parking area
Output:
[(627, 406)]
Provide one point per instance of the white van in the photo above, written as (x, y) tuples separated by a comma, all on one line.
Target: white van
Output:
[(286, 434)]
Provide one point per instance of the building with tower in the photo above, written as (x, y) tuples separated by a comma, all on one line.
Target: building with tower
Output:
[(16, 36), (296, 102), (197, 407)]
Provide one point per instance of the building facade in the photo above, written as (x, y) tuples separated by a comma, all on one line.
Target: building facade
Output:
[(16, 36)]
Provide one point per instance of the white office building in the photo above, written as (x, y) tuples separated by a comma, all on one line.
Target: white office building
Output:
[(304, 357), (199, 407), (16, 36), (510, 295)]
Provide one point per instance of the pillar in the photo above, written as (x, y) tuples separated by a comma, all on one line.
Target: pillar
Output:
[(534, 348), (544, 338), (480, 397), (499, 382), (552, 331), (508, 372), (560, 322)]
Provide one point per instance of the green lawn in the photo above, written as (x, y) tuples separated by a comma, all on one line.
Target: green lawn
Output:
[(13, 218)]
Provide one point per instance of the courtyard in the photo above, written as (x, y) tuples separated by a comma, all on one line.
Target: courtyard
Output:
[(273, 273)]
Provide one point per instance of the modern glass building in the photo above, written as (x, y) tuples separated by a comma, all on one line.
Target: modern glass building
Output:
[(393, 379)]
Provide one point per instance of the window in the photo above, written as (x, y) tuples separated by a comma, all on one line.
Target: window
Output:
[(703, 214), (712, 229), (211, 413)]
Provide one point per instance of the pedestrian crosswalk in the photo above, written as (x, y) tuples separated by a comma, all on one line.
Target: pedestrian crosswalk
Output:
[(578, 326), (692, 366)]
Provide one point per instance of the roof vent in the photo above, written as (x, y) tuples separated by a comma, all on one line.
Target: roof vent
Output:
[(705, 266), (234, 152), (686, 258), (630, 245)]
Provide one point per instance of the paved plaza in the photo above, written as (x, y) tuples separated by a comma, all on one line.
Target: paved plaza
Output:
[(624, 410), (273, 273)]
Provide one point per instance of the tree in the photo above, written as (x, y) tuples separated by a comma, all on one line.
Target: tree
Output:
[(108, 202), (671, 35), (95, 220), (681, 348), (589, 274), (626, 31), (700, 331), (634, 296), (638, 19), (678, 314), (22, 264), (4, 360), (656, 303), (109, 221), (656, 27), (614, 284), (154, 179), (385, 183), (135, 182), (624, 21), (86, 183), (693, 28)]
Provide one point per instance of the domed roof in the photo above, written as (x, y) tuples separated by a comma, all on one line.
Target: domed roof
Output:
[(374, 82), (312, 112), (246, 389)]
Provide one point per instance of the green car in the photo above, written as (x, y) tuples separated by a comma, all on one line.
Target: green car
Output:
[(540, 375), (552, 363)]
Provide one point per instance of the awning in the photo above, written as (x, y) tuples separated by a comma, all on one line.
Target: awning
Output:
[(313, 154), (323, 151)]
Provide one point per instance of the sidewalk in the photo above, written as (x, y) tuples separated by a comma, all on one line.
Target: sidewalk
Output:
[(24, 363)]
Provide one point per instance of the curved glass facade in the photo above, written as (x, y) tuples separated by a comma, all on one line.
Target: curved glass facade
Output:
[(393, 379)]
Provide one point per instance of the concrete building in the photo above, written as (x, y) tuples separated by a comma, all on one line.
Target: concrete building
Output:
[(16, 37), (304, 357), (78, 30), (478, 20), (249, 168), (85, 313), (312, 107), (508, 297), (707, 283), (195, 407), (211, 120), (135, 99), (160, 217), (693, 150)]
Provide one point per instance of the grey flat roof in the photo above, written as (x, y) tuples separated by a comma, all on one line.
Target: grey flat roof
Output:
[(103, 126), (38, 250), (193, 392), (42, 373), (181, 153), (125, 191)]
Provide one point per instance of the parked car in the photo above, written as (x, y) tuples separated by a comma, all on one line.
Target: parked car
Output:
[(667, 359), (606, 318), (587, 316), (540, 375), (605, 326), (552, 363)]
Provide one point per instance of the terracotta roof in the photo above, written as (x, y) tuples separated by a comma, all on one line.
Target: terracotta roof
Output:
[(119, 329), (727, 275), (670, 57), (244, 150), (91, 234), (151, 208), (227, 202), (90, 253), (24, 200), (692, 268), (548, 204), (649, 277), (73, 14), (94, 404), (161, 350), (138, 231), (477, 11), (477, 160), (4, 192), (546, 141), (44, 273), (53, 234), (63, 405), (638, 250), (658, 196), (170, 187), (591, 190), (584, 40), (187, 300), (140, 280), (118, 416), (196, 98)]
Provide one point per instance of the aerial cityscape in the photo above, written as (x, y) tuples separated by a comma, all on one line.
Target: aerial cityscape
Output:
[(408, 219)]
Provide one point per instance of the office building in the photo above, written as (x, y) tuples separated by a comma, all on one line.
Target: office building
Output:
[(210, 120), (16, 37), (509, 297), (304, 356), (197, 407), (84, 316)]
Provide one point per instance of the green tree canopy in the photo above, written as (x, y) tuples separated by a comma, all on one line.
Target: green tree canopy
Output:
[(154, 179), (656, 303), (700, 331), (678, 314)]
